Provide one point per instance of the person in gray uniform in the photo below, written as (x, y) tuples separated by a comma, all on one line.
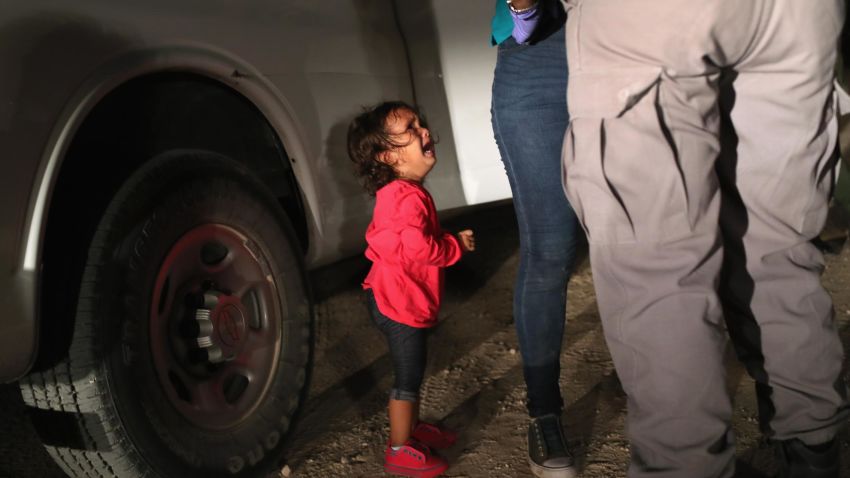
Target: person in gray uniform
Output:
[(699, 158)]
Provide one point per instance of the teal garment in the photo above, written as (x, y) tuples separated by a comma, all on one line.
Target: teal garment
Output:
[(503, 23)]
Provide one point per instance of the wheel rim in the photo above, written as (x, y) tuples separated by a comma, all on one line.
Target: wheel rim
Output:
[(215, 326)]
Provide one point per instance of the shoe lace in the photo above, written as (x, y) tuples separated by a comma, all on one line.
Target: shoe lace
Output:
[(552, 436), (419, 446)]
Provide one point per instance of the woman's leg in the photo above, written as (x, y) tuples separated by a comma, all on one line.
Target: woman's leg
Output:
[(529, 115)]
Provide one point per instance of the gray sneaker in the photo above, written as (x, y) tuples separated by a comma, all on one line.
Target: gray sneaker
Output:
[(547, 449)]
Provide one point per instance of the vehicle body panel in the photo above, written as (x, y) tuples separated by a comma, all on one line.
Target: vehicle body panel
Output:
[(309, 67)]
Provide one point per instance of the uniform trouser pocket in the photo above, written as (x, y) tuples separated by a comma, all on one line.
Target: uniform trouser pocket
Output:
[(627, 171)]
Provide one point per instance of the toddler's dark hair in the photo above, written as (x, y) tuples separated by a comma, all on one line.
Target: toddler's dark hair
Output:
[(368, 138)]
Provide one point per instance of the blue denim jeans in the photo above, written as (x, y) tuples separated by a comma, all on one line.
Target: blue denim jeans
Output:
[(408, 349), (529, 114)]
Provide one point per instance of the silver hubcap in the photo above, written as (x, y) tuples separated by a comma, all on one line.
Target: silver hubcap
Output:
[(215, 326)]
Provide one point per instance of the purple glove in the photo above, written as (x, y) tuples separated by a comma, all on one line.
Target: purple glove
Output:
[(524, 24)]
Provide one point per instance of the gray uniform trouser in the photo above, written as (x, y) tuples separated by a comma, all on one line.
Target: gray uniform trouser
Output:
[(700, 158)]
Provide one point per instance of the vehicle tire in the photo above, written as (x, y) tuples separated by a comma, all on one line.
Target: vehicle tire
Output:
[(192, 335)]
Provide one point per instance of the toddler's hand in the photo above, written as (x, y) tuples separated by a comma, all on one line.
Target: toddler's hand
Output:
[(467, 240)]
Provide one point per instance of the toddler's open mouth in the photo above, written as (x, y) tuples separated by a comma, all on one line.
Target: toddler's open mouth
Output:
[(428, 148)]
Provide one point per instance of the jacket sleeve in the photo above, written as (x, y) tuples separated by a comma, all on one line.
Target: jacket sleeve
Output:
[(417, 243)]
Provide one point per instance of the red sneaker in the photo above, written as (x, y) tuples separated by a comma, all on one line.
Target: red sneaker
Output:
[(434, 436), (415, 460)]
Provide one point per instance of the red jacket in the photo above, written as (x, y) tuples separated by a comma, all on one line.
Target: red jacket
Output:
[(408, 250)]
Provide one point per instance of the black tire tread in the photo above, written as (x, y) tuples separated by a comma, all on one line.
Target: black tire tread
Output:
[(77, 384)]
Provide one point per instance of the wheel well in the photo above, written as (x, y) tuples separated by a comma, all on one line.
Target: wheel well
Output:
[(132, 124)]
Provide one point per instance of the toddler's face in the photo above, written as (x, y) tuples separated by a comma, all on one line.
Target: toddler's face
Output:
[(415, 158)]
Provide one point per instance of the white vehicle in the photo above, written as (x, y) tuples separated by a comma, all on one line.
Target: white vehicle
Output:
[(171, 171)]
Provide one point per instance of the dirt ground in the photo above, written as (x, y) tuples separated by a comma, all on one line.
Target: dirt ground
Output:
[(474, 378)]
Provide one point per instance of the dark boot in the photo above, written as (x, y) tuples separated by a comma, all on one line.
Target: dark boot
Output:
[(796, 460)]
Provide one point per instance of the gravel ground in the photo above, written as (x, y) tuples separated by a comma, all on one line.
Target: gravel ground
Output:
[(474, 377)]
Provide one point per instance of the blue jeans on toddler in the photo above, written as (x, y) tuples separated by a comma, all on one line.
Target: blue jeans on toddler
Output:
[(408, 350)]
